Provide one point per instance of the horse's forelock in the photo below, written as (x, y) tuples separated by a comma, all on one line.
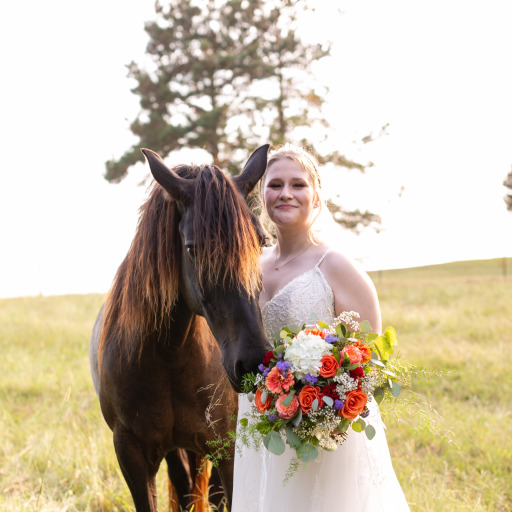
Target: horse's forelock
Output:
[(227, 248)]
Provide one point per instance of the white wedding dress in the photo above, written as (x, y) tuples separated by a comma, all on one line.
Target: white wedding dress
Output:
[(357, 477)]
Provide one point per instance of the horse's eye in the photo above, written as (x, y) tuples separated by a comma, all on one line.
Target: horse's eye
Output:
[(190, 249)]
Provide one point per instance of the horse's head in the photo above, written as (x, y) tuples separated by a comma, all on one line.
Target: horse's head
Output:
[(221, 241)]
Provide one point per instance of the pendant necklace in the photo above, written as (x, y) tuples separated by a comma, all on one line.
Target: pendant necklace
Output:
[(289, 261)]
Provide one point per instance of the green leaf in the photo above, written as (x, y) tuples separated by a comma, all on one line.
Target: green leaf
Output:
[(378, 394), (322, 325), (336, 354), (307, 452), (288, 400), (357, 426), (391, 374), (341, 330), (371, 336), (396, 389), (370, 432), (328, 401), (279, 350), (244, 422), (297, 419), (295, 329), (343, 425), (365, 326), (274, 443), (293, 439), (376, 362)]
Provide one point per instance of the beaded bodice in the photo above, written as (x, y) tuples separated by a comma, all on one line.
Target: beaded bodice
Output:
[(305, 299)]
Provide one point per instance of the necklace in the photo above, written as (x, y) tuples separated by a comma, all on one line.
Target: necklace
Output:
[(290, 260)]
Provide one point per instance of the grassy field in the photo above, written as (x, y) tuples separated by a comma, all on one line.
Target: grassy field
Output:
[(56, 452)]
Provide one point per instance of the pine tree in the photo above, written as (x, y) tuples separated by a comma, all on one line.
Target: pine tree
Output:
[(225, 76)]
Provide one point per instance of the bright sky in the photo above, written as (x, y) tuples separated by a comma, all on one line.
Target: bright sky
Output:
[(438, 72)]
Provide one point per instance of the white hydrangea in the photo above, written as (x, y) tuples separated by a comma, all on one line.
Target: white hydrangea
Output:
[(305, 352)]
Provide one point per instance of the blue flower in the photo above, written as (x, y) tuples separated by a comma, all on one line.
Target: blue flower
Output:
[(329, 338), (311, 379), (283, 366)]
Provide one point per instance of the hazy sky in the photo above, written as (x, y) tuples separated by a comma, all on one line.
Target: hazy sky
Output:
[(437, 72)]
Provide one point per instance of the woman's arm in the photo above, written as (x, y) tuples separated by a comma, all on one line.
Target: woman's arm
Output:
[(353, 289)]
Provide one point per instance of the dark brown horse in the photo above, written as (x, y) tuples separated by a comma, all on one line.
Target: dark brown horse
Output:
[(182, 315)]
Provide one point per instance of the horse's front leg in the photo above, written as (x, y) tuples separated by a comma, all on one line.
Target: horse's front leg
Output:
[(139, 464), (225, 469)]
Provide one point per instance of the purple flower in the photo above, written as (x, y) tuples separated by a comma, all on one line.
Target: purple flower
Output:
[(365, 413), (272, 417), (339, 404), (262, 367), (283, 366), (265, 372), (330, 338), (311, 379)]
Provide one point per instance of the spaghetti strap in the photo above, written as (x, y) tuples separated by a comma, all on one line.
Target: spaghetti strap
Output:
[(322, 258)]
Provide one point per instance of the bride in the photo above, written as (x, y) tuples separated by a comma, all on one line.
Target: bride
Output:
[(304, 275)]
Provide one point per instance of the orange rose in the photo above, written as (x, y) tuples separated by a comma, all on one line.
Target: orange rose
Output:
[(355, 402), (262, 407), (366, 353), (316, 331), (307, 396), (287, 413), (329, 366)]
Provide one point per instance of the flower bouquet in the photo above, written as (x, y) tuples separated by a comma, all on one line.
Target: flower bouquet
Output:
[(316, 383)]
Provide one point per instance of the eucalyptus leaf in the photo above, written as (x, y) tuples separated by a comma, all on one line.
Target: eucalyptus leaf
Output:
[(365, 326), (250, 396), (396, 389), (295, 329), (376, 362), (357, 427), (274, 443), (341, 330), (343, 425), (314, 405), (297, 419), (293, 439), (263, 397), (370, 432), (328, 401), (322, 325), (378, 394), (361, 422), (307, 452), (288, 400)]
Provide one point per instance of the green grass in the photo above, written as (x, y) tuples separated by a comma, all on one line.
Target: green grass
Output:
[(56, 452)]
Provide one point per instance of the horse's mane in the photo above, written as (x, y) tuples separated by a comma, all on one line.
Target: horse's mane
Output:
[(227, 251)]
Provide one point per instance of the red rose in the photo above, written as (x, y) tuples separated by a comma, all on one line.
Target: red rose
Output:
[(357, 373), (268, 356)]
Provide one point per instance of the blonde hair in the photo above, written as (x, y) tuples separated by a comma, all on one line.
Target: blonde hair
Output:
[(309, 163)]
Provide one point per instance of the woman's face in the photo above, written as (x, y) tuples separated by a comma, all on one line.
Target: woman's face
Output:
[(288, 194)]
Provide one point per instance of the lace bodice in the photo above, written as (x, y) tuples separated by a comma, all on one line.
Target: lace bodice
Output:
[(305, 299)]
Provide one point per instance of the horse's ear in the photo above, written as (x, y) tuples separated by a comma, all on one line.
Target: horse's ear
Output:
[(253, 170), (179, 188)]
